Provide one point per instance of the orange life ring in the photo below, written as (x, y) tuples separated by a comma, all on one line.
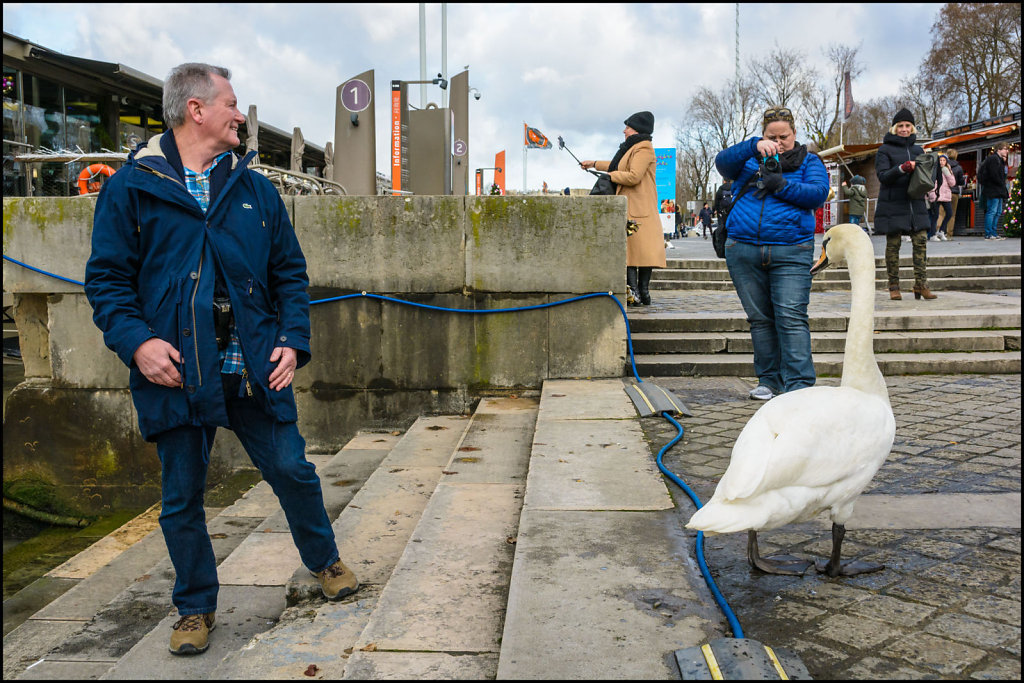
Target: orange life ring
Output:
[(88, 179)]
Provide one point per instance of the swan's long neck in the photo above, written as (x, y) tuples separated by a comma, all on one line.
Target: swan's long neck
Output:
[(860, 370)]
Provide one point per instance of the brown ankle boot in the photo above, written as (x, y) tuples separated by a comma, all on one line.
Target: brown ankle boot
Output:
[(922, 291), (894, 292)]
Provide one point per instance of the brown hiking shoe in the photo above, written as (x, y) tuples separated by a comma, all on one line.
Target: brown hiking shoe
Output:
[(190, 635), (337, 581)]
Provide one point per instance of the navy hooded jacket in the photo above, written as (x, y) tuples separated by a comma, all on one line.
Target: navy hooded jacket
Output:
[(151, 274), (783, 217)]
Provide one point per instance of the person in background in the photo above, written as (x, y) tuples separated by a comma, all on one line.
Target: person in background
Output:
[(705, 219), (723, 201), (896, 213), (770, 247), (958, 189), (680, 232), (198, 282), (941, 197), (632, 170), (856, 192), (992, 178)]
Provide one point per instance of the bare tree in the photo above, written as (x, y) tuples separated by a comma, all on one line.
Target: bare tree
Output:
[(726, 121), (975, 57), (784, 76), (931, 101), (695, 153), (823, 107), (872, 119)]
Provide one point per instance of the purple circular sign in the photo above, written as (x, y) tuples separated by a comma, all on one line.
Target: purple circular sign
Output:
[(460, 148), (355, 95)]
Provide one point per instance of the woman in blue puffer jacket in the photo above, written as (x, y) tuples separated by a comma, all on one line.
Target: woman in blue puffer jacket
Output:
[(770, 248)]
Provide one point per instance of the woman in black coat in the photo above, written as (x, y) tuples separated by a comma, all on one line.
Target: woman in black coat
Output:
[(897, 214)]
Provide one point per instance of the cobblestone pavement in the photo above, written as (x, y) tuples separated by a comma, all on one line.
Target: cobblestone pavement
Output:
[(947, 606)]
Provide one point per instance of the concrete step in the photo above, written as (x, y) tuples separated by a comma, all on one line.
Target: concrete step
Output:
[(934, 272), (742, 364), (646, 343), (905, 260), (970, 283), (600, 587), (885, 320), (372, 534), (124, 636), (441, 614)]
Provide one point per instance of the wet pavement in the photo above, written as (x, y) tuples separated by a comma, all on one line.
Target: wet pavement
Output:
[(947, 604)]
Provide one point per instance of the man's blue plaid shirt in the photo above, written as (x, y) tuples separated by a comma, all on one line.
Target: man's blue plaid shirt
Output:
[(198, 185)]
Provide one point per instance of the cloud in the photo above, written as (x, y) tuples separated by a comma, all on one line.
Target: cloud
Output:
[(565, 70)]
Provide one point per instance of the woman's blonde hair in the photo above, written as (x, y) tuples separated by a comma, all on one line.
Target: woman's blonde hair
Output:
[(913, 128)]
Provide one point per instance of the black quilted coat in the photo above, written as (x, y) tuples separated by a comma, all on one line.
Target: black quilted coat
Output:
[(896, 212)]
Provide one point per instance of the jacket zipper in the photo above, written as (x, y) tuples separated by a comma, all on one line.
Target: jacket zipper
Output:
[(245, 370), (195, 335), (161, 175)]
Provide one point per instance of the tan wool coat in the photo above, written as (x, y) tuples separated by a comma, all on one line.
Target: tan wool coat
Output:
[(635, 178)]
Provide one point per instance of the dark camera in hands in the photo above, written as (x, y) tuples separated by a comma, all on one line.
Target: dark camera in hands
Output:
[(771, 164)]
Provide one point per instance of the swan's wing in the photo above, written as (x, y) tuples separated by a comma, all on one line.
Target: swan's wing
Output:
[(813, 437)]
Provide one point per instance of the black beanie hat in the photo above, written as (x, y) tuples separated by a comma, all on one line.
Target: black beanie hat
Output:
[(641, 122), (903, 115)]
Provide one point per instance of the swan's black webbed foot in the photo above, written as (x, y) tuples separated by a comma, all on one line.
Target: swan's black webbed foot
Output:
[(849, 568), (786, 565), (833, 567)]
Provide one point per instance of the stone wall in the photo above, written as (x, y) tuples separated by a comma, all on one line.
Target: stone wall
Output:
[(71, 424)]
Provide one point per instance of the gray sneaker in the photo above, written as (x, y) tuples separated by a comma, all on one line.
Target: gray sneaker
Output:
[(762, 393)]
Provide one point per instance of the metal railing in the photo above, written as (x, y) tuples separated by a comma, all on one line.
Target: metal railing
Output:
[(298, 183)]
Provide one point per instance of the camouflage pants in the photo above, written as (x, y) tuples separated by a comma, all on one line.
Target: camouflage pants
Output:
[(919, 243)]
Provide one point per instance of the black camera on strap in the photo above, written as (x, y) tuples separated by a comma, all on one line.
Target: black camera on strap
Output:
[(223, 316), (223, 320)]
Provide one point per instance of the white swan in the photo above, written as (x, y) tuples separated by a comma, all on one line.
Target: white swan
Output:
[(816, 448)]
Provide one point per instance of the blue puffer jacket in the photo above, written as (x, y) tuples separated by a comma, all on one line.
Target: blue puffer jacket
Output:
[(151, 274), (786, 217)]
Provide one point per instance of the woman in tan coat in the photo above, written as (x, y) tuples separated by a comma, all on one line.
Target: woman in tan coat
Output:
[(632, 171)]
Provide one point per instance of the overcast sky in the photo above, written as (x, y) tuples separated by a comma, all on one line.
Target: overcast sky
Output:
[(572, 70)]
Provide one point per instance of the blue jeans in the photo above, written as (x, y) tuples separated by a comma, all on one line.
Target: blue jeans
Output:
[(774, 286), (855, 219), (278, 450), (993, 212)]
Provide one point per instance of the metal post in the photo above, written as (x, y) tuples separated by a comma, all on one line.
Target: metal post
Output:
[(524, 168), (444, 51), (737, 112), (423, 54)]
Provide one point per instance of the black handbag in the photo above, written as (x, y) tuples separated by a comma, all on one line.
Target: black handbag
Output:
[(718, 237), (604, 184)]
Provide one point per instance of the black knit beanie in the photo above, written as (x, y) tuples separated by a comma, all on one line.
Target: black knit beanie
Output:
[(903, 115), (642, 122)]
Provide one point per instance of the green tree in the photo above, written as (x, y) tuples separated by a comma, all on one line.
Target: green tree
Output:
[(1011, 214)]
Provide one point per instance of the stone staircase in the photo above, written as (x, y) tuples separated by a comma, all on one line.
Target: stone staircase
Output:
[(488, 546), (962, 341), (700, 329), (968, 272)]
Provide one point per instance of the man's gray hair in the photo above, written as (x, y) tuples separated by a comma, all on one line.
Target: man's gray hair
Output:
[(185, 82)]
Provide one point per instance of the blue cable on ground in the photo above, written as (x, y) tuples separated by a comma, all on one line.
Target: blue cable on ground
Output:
[(702, 563), (734, 624)]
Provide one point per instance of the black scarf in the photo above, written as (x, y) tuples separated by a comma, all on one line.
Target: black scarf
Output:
[(893, 139), (793, 159), (625, 147)]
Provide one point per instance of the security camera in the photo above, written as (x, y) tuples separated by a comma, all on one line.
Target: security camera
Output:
[(476, 95)]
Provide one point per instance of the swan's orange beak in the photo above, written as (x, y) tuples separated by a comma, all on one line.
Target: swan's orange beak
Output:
[(822, 263)]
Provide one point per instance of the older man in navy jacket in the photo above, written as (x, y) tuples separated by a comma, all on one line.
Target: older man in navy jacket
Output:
[(199, 285)]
